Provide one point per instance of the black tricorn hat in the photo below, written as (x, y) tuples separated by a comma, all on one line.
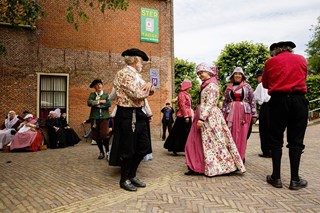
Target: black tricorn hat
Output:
[(286, 44), (94, 82), (259, 73), (135, 52), (273, 46)]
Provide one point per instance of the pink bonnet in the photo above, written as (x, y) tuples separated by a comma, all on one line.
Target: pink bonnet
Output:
[(205, 68), (186, 84)]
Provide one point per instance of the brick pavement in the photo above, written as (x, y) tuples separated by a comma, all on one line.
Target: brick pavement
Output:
[(73, 180)]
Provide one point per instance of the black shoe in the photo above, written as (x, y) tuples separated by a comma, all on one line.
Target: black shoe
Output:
[(295, 185), (175, 154), (127, 185), (190, 172), (101, 156), (137, 182), (274, 182), (264, 156)]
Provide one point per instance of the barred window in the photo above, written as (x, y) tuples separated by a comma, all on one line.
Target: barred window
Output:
[(53, 94)]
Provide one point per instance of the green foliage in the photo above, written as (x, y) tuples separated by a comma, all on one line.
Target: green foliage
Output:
[(20, 12), (27, 12), (186, 70), (313, 50), (247, 55), (76, 11), (313, 85)]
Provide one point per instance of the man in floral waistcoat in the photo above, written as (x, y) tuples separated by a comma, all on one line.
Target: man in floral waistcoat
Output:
[(131, 141)]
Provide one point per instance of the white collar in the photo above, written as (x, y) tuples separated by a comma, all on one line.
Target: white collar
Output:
[(100, 93)]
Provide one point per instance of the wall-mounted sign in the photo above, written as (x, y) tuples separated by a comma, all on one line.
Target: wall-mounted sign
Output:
[(149, 25), (154, 77)]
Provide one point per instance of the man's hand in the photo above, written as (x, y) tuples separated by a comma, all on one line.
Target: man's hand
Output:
[(147, 87)]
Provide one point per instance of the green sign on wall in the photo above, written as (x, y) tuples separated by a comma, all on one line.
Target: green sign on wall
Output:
[(149, 25)]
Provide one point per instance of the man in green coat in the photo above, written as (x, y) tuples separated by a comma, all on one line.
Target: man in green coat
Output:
[(99, 116)]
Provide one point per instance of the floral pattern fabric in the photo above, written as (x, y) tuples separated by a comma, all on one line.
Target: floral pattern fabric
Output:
[(220, 153), (128, 88)]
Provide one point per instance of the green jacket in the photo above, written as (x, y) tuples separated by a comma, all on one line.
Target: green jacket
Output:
[(99, 111)]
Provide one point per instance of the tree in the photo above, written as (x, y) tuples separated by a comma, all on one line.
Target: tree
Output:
[(313, 50), (20, 12), (186, 70), (76, 10), (26, 12), (247, 55)]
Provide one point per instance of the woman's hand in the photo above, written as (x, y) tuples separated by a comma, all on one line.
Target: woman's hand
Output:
[(187, 119), (199, 124), (253, 120)]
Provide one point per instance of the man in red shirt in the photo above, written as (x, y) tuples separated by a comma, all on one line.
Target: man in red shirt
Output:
[(285, 78)]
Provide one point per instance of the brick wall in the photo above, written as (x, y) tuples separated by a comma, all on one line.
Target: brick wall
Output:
[(92, 52)]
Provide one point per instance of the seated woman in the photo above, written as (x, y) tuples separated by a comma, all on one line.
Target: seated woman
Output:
[(9, 128), (28, 136), (56, 133), (71, 136)]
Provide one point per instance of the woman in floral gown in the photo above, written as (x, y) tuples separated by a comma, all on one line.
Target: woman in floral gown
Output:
[(210, 149)]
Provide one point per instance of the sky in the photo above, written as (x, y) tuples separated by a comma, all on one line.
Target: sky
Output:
[(202, 28)]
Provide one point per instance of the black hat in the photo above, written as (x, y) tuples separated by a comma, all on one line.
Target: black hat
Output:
[(94, 82), (273, 46), (286, 44), (259, 73), (135, 52)]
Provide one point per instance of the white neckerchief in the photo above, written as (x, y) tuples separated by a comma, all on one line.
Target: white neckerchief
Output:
[(9, 123), (99, 95)]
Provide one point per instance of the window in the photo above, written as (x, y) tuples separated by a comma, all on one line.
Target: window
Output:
[(52, 94)]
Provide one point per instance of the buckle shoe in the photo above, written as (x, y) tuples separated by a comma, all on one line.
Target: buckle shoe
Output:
[(295, 185), (191, 172), (274, 182), (101, 156), (137, 182), (264, 156), (127, 185)]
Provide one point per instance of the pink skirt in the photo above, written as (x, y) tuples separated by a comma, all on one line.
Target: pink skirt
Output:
[(194, 150), (239, 123)]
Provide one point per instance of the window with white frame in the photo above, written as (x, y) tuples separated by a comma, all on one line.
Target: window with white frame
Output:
[(53, 94)]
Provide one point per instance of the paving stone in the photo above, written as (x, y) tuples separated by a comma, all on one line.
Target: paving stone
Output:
[(73, 180)]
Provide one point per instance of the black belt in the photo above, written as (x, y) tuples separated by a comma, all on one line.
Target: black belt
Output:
[(287, 93)]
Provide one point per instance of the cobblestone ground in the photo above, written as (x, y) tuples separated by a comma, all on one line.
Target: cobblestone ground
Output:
[(73, 180)]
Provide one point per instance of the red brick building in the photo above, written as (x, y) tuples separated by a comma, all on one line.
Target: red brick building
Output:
[(52, 66)]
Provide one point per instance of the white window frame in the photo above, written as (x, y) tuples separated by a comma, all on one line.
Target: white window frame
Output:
[(38, 90)]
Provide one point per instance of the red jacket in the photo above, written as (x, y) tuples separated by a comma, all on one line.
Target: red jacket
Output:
[(286, 73), (184, 101)]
